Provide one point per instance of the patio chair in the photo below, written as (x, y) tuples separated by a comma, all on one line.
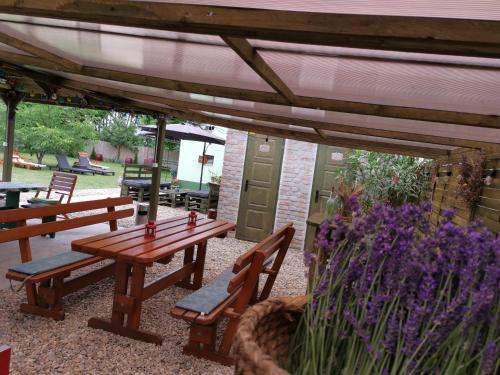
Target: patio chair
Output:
[(62, 184), (229, 295), (84, 162), (202, 200), (64, 166)]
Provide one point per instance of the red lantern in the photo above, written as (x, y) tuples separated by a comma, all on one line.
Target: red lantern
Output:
[(192, 217), (151, 229)]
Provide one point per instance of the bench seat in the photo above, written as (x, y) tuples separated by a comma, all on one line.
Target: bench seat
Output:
[(229, 295), (47, 280), (60, 263)]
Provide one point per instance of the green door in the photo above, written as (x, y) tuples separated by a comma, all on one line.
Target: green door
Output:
[(328, 160), (259, 192)]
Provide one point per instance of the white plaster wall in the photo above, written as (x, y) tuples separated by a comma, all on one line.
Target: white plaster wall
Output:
[(190, 169)]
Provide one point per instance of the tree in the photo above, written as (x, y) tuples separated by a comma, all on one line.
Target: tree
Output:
[(43, 129), (121, 133)]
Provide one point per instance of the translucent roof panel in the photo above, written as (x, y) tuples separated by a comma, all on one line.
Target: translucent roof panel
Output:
[(197, 101), (392, 83), (477, 9), (183, 61)]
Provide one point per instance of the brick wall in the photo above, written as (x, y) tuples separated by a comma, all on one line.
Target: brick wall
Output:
[(297, 174), (232, 175)]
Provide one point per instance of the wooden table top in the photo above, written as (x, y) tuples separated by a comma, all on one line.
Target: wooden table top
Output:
[(172, 235), (20, 186)]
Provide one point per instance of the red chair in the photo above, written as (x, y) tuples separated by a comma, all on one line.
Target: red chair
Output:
[(4, 359)]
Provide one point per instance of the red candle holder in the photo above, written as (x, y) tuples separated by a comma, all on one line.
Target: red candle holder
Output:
[(192, 217), (150, 229)]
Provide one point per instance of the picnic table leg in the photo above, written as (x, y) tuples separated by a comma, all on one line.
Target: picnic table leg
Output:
[(127, 303), (188, 258), (199, 265), (136, 288)]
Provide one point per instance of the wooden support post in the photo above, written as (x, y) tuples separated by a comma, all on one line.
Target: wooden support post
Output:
[(154, 193), (11, 99), (4, 359)]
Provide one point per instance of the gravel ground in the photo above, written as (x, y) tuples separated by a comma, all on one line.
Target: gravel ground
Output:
[(42, 346)]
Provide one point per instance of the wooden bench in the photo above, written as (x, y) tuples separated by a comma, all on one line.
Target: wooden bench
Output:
[(136, 182), (202, 200), (44, 279), (229, 296)]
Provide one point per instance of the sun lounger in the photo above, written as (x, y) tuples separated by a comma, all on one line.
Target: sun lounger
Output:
[(84, 162), (64, 166)]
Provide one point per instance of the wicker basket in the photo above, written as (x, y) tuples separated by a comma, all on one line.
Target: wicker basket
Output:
[(264, 334)]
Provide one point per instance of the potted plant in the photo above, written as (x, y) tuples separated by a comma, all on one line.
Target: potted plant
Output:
[(343, 199), (396, 296)]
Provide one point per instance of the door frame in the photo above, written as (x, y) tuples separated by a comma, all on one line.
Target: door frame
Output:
[(280, 167)]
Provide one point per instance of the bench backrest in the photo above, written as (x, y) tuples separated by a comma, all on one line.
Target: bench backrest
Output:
[(63, 184), (256, 261), (23, 231), (137, 172)]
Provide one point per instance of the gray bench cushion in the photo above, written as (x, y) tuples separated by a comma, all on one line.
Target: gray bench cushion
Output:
[(47, 264), (206, 299), (198, 194), (144, 183)]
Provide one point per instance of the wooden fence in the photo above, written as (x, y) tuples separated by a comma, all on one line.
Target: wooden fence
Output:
[(445, 194)]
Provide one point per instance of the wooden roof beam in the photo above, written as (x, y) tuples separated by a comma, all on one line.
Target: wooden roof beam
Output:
[(319, 126), (399, 33), (380, 146), (419, 114), (257, 63), (57, 60)]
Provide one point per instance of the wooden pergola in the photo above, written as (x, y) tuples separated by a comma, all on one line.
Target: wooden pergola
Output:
[(420, 79)]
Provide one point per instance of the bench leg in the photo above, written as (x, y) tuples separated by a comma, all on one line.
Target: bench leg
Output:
[(202, 341), (199, 265), (46, 302)]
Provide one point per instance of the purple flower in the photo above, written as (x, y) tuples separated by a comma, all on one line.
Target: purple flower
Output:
[(490, 357)]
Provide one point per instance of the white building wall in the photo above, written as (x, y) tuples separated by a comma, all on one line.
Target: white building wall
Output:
[(190, 169)]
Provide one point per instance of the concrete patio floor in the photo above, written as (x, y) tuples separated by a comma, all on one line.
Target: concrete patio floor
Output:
[(42, 247)]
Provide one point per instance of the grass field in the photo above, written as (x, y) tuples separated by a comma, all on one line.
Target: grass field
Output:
[(83, 182)]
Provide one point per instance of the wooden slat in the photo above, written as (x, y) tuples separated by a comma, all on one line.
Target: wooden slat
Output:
[(57, 226), (399, 33), (132, 248), (154, 255), (245, 50), (421, 114), (54, 210)]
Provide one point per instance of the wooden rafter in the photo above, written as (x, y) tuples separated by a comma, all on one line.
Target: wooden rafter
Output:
[(420, 114), (257, 63), (107, 93), (426, 60), (399, 33), (381, 146), (58, 61)]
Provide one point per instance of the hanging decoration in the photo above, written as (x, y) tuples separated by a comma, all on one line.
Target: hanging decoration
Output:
[(470, 178)]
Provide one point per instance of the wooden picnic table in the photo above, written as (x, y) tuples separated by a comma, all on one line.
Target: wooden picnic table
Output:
[(133, 253)]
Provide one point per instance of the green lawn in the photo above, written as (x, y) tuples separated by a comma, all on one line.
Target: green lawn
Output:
[(83, 182)]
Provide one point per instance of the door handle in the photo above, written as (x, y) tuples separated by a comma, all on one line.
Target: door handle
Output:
[(316, 196), (246, 185)]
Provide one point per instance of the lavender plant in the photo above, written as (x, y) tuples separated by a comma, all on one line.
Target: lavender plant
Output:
[(395, 295)]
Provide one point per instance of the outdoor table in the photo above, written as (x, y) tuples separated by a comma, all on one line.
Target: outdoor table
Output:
[(13, 193), (133, 252)]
